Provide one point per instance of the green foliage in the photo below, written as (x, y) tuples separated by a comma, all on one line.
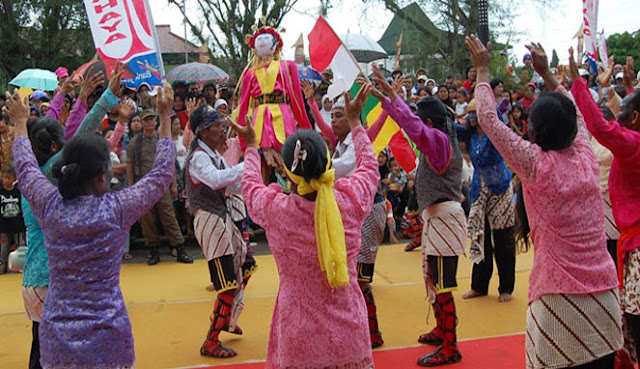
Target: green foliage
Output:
[(625, 44), (43, 34), (227, 22)]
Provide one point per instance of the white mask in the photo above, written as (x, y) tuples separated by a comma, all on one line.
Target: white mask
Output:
[(265, 45)]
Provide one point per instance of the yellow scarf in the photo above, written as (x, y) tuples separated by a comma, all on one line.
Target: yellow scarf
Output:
[(332, 249)]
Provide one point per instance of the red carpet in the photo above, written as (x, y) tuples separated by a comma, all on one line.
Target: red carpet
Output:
[(489, 353)]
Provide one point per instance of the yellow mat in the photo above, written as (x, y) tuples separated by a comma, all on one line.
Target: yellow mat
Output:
[(169, 309)]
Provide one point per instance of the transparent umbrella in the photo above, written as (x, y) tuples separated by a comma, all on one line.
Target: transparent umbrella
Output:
[(363, 48)]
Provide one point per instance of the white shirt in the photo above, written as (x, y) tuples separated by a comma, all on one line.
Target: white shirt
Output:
[(181, 152), (344, 158), (202, 170)]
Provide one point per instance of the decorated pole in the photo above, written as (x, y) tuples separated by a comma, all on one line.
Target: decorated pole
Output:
[(483, 21)]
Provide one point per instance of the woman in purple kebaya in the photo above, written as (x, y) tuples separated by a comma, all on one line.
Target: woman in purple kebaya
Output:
[(85, 322)]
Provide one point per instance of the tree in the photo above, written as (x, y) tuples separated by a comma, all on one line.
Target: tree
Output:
[(227, 22), (44, 34), (625, 44), (458, 18)]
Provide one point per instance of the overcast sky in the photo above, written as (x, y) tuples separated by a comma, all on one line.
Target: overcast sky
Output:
[(554, 28)]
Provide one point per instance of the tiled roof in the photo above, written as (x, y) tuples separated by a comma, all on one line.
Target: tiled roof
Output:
[(172, 43)]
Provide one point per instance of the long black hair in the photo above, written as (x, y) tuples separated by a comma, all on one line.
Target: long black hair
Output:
[(552, 126), (84, 157), (316, 162), (43, 132)]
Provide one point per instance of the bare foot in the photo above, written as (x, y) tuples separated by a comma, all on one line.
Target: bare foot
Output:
[(471, 294), (504, 297), (210, 288)]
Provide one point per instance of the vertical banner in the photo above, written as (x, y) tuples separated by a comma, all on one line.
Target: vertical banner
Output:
[(123, 31), (589, 29), (602, 46)]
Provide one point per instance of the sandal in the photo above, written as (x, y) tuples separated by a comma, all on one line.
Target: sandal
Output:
[(430, 339), (438, 358), (173, 251), (219, 351), (127, 256)]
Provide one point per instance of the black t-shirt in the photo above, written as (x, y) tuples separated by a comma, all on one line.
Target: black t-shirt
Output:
[(11, 220)]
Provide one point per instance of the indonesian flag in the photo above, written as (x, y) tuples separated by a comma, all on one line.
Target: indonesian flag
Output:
[(327, 50)]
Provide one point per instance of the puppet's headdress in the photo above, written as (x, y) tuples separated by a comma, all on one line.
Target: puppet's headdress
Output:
[(250, 39)]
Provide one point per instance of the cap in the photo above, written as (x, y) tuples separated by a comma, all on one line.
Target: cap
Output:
[(219, 103), (328, 71), (583, 72), (179, 82), (62, 72), (527, 56), (154, 91), (147, 113), (423, 78), (472, 106), (223, 86), (620, 75)]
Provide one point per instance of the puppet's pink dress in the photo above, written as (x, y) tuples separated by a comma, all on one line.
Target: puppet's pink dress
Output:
[(275, 99)]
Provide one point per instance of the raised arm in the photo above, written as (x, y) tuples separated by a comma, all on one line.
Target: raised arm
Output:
[(431, 142), (519, 153), (125, 111), (325, 128), (136, 200), (34, 186), (258, 197), (79, 111), (621, 141), (58, 101), (360, 186)]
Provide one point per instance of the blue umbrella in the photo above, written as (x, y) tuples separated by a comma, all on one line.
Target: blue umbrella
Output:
[(37, 79), (309, 73)]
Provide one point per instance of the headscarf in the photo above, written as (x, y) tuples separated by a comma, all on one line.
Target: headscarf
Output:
[(330, 240), (219, 103), (326, 114)]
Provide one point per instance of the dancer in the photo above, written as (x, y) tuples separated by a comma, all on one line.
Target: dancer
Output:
[(623, 139), (492, 213), (48, 137), (573, 317), (319, 320), (85, 322), (344, 163), (438, 191), (230, 263)]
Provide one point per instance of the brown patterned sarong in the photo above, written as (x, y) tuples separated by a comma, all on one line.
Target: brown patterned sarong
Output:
[(498, 209), (569, 330)]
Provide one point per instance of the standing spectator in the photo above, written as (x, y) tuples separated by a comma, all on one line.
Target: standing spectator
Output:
[(6, 142), (210, 93), (11, 223), (140, 156)]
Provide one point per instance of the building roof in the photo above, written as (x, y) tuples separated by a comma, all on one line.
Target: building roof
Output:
[(172, 43), (412, 23)]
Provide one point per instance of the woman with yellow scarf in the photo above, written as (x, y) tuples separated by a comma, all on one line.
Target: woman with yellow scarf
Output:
[(320, 319)]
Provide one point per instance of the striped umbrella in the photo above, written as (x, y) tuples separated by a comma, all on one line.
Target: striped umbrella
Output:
[(197, 72)]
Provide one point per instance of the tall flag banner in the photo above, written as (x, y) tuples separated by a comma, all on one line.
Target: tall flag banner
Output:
[(602, 47), (123, 31), (589, 30), (327, 50)]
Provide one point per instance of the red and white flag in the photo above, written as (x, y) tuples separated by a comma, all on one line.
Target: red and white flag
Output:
[(327, 50), (602, 47), (590, 26)]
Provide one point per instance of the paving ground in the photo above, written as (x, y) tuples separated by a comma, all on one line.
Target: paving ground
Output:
[(169, 308)]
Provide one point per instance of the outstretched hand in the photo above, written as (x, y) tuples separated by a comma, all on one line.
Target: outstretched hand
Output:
[(69, 85), (480, 56), (574, 73), (164, 100), (605, 77), (114, 81), (125, 110), (17, 110), (383, 87), (353, 108), (246, 132), (307, 89), (628, 73), (89, 84), (540, 59)]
